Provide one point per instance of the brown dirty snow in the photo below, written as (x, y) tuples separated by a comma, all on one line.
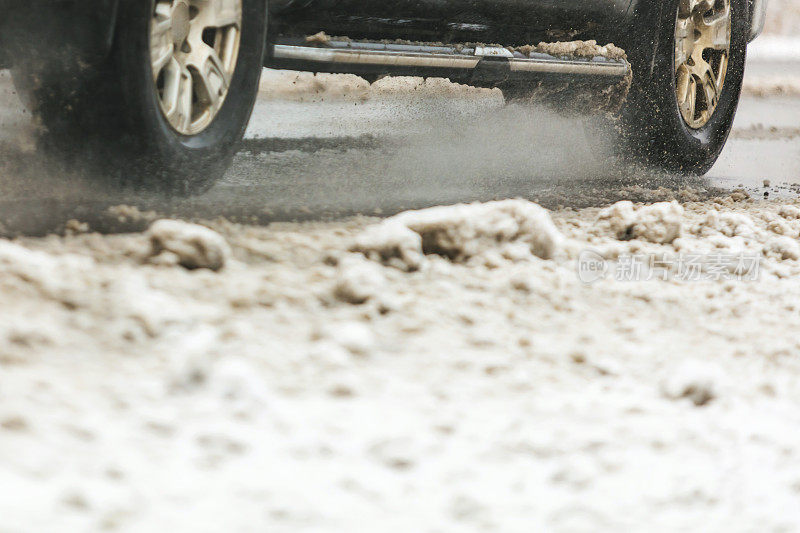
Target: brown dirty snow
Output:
[(307, 386), (584, 49), (128, 214), (495, 230), (659, 223), (189, 245), (318, 38), (358, 279)]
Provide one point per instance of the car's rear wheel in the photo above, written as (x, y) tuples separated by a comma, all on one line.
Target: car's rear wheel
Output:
[(169, 106), (684, 96)]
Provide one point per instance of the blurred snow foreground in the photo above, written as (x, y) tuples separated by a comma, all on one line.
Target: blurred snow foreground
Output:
[(440, 370)]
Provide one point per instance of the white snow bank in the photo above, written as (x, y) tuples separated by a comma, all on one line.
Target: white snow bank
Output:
[(508, 229), (132, 393)]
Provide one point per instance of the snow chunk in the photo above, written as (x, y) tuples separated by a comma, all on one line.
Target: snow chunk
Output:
[(779, 226), (784, 248), (192, 246), (358, 280), (659, 223), (693, 380), (789, 212), (391, 243), (585, 49), (395, 453), (318, 38), (510, 228), (730, 224), (355, 337), (130, 214), (463, 231)]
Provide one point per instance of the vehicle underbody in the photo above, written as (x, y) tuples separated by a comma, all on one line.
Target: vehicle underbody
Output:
[(509, 22), (506, 22)]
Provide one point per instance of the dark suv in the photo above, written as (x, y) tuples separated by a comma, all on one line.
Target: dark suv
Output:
[(159, 92)]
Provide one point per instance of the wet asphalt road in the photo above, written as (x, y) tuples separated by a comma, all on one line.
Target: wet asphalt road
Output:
[(396, 155), (322, 160)]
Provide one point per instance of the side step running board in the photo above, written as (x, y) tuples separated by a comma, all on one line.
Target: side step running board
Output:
[(477, 64)]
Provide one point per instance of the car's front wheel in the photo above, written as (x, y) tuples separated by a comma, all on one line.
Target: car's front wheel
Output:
[(684, 96), (169, 106)]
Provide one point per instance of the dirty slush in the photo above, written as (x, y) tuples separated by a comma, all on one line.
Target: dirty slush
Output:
[(444, 367)]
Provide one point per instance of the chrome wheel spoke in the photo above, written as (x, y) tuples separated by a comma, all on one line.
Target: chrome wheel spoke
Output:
[(194, 45), (687, 92), (185, 100), (723, 70), (704, 5), (210, 75), (172, 87), (177, 95), (160, 57), (687, 7), (709, 83), (219, 13), (684, 41), (162, 25), (161, 45), (704, 71), (714, 31), (683, 84)]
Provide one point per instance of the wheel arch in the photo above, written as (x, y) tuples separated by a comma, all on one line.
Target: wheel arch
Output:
[(77, 32)]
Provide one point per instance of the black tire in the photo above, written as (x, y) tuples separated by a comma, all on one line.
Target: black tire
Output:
[(109, 120), (651, 127)]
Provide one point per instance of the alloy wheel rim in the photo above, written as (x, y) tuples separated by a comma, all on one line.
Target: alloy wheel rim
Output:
[(702, 51), (194, 46)]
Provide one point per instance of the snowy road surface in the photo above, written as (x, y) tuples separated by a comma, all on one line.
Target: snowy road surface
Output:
[(442, 371), (337, 148), (599, 365)]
